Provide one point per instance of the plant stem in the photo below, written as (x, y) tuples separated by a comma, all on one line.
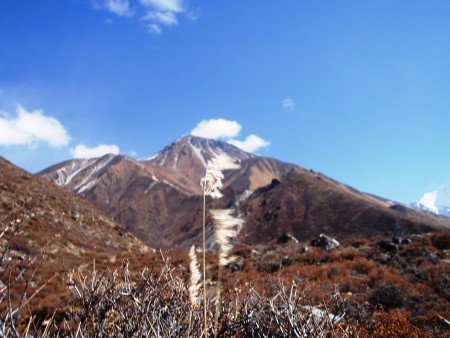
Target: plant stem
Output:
[(204, 262), (218, 301)]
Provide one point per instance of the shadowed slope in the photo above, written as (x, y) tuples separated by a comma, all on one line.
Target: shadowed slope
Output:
[(306, 204)]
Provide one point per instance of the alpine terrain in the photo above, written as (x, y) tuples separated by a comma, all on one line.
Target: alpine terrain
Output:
[(159, 198)]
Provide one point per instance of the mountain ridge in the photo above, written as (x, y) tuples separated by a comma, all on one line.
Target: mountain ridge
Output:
[(159, 198)]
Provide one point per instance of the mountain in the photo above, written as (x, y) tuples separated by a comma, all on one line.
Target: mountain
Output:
[(54, 231), (50, 213), (437, 201), (159, 198), (305, 203)]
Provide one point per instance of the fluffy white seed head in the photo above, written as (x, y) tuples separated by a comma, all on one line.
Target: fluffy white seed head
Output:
[(196, 276), (226, 228), (212, 182)]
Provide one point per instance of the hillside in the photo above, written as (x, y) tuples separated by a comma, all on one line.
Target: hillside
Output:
[(305, 204), (49, 231)]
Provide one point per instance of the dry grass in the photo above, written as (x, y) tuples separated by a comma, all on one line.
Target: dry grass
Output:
[(268, 291), (157, 304)]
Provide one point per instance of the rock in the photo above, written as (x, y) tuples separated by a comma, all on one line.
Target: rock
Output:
[(286, 238), (387, 246), (286, 260), (304, 249), (75, 215), (273, 266), (396, 240), (254, 253), (406, 241), (321, 315), (325, 242), (237, 264)]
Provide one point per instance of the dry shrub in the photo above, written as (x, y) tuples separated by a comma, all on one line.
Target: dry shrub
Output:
[(441, 241), (393, 324), (157, 304)]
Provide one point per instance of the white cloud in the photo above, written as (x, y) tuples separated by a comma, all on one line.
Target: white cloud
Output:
[(176, 6), (81, 151), (217, 128), (288, 104), (228, 130), (165, 18), (164, 13), (251, 144), (155, 13), (29, 128), (154, 29), (119, 7)]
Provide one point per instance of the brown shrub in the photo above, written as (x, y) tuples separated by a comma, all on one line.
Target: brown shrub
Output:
[(393, 324)]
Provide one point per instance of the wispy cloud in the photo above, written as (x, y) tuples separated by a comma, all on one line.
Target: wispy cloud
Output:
[(229, 131), (156, 14), (163, 13), (28, 128), (119, 7), (288, 104), (154, 29), (251, 144), (165, 18), (82, 151)]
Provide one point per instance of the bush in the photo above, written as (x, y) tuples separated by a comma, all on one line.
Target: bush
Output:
[(157, 304), (387, 296)]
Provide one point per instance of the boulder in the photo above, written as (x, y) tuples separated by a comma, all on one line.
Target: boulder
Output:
[(286, 238), (325, 242), (304, 249), (387, 246), (75, 215)]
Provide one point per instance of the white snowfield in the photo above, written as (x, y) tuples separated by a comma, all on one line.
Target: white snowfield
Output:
[(437, 201)]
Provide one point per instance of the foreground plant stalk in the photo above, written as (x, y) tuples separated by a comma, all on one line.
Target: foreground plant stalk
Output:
[(212, 185)]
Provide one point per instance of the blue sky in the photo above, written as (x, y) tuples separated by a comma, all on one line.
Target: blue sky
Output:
[(356, 90)]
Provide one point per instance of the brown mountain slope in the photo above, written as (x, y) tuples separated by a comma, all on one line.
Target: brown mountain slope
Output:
[(305, 204), (158, 198), (49, 213), (53, 231)]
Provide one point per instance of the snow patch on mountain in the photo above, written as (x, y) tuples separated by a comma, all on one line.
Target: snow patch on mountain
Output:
[(437, 201), (85, 187), (198, 153), (66, 174), (149, 158)]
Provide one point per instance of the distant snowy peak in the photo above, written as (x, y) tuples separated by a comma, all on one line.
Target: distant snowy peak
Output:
[(428, 202), (437, 201)]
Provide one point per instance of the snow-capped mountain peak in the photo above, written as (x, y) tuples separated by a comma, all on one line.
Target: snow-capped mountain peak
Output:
[(437, 201), (202, 150)]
